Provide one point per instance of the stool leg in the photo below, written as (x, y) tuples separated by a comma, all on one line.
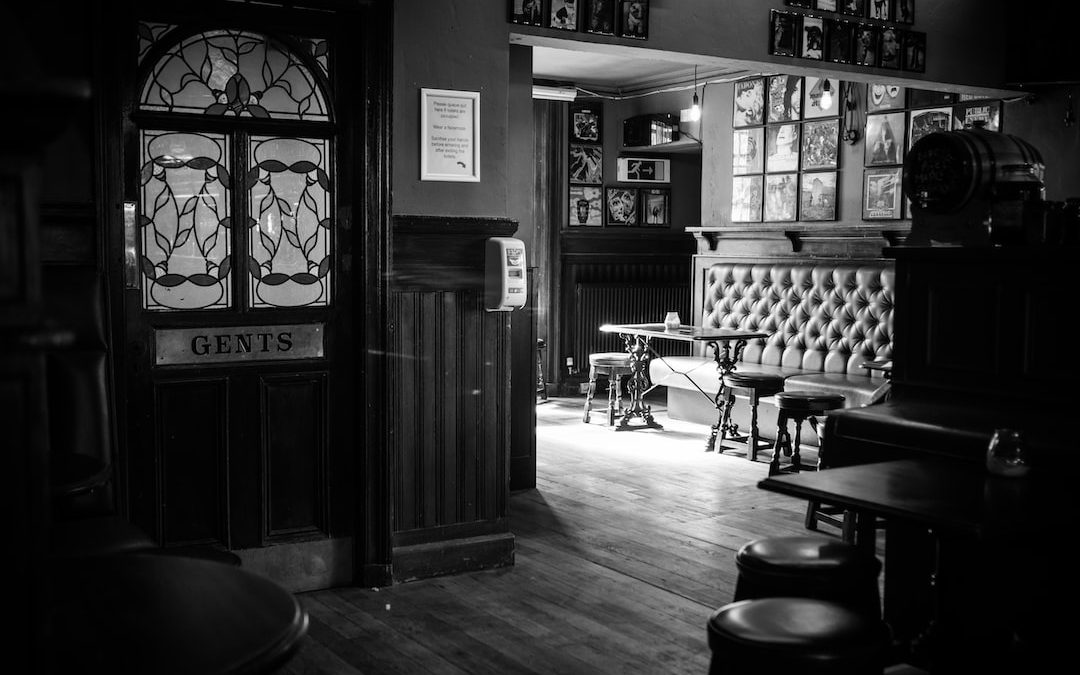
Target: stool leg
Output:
[(541, 384), (612, 396), (589, 392), (751, 450), (795, 446), (725, 417), (810, 521), (778, 446)]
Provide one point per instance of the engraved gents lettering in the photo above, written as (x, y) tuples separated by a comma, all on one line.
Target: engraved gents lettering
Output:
[(265, 339), (223, 344), (284, 342), (243, 342), (200, 345)]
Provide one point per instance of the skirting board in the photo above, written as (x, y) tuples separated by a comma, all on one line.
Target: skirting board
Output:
[(421, 561)]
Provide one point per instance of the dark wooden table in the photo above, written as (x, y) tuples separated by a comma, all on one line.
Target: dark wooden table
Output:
[(136, 613), (970, 557)]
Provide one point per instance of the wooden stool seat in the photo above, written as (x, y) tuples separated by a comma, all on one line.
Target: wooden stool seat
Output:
[(799, 406), (752, 386), (612, 365)]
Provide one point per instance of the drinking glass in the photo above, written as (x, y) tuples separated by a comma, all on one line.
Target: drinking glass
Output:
[(672, 321), (1005, 456)]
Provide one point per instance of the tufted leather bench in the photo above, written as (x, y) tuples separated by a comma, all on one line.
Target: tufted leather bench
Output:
[(825, 319)]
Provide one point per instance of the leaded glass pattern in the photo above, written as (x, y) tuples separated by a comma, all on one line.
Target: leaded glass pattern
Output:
[(185, 221), (290, 227), (319, 48), (149, 34), (233, 73)]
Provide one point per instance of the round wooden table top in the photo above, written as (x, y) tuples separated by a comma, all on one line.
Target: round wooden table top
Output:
[(137, 613)]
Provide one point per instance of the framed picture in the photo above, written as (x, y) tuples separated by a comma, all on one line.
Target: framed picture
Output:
[(820, 144), (587, 164), (853, 7), (643, 170), (749, 102), (884, 97), (563, 15), (817, 196), (880, 10), (746, 194), (450, 135), (782, 148), (621, 207), (890, 51), (925, 98), (783, 32), (914, 51), (884, 139), (747, 151), (600, 16), (839, 38), (825, 5), (526, 12), (813, 88), (656, 207), (634, 19), (586, 206), (805, 4), (812, 38), (586, 122), (882, 194), (785, 98), (781, 197), (904, 11), (977, 113), (927, 121), (866, 45)]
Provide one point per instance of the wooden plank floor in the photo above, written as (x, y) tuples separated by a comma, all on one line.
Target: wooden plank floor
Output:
[(622, 551)]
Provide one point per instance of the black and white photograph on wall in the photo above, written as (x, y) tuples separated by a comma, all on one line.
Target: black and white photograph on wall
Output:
[(746, 194), (881, 96), (882, 194), (656, 207), (927, 121), (621, 207), (812, 41), (817, 196), (526, 12), (587, 164), (564, 14), (853, 7), (866, 45), (749, 102), (884, 139), (821, 97), (880, 10), (890, 48), (825, 5), (585, 122), (904, 11), (839, 37), (986, 114), (634, 19), (747, 151), (785, 98), (820, 144), (914, 51), (586, 206), (600, 17), (782, 148), (781, 197), (927, 98), (783, 33)]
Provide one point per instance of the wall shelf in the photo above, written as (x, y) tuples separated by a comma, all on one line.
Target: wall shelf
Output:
[(683, 145)]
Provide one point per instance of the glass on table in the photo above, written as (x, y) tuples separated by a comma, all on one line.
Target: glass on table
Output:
[(672, 321), (1005, 455)]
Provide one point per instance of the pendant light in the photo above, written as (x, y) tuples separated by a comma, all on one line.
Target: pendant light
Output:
[(695, 107), (826, 95)]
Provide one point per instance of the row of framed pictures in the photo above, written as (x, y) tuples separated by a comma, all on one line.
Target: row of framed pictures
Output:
[(624, 18), (813, 196), (783, 98), (613, 206), (888, 137), (778, 148), (897, 11), (840, 41)]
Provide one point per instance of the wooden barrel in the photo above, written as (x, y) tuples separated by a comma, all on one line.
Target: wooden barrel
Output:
[(945, 171)]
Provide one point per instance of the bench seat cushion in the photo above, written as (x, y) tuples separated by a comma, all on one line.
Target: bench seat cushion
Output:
[(857, 390), (684, 372)]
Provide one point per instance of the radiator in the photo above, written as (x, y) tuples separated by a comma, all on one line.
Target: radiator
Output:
[(598, 304)]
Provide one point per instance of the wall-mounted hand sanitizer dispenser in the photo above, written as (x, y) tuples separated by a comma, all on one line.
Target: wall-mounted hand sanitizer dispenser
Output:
[(505, 282)]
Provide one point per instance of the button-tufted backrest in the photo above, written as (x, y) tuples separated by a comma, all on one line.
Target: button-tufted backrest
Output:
[(820, 317)]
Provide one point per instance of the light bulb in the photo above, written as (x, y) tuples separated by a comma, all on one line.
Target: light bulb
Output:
[(826, 96), (695, 109)]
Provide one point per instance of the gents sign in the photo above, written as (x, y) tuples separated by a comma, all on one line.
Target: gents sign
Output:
[(237, 343)]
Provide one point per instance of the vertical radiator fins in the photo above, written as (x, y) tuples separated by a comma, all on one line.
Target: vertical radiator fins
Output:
[(598, 304)]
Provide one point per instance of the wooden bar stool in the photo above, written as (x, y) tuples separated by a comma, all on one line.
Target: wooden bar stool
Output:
[(541, 383), (799, 406), (612, 365), (751, 386)]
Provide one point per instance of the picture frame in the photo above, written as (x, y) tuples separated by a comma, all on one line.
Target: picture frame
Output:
[(812, 38), (656, 207), (865, 45), (879, 10), (449, 135), (813, 88), (884, 96), (781, 198), (586, 164), (914, 51), (904, 11), (969, 114), (563, 14), (890, 50), (927, 121), (825, 5), (817, 196), (885, 134), (784, 32), (634, 19), (643, 170), (586, 206), (586, 122), (599, 18), (853, 7), (839, 39), (747, 151), (620, 207), (784, 98), (526, 12), (805, 4), (746, 198), (928, 98), (820, 145), (883, 193), (749, 106), (782, 147)]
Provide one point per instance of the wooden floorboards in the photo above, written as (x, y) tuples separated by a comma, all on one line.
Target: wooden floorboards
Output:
[(622, 551)]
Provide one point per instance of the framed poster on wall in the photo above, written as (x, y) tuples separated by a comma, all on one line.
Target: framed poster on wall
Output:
[(449, 135)]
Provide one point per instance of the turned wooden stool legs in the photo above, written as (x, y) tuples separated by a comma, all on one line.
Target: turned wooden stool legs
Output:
[(612, 365), (799, 406)]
